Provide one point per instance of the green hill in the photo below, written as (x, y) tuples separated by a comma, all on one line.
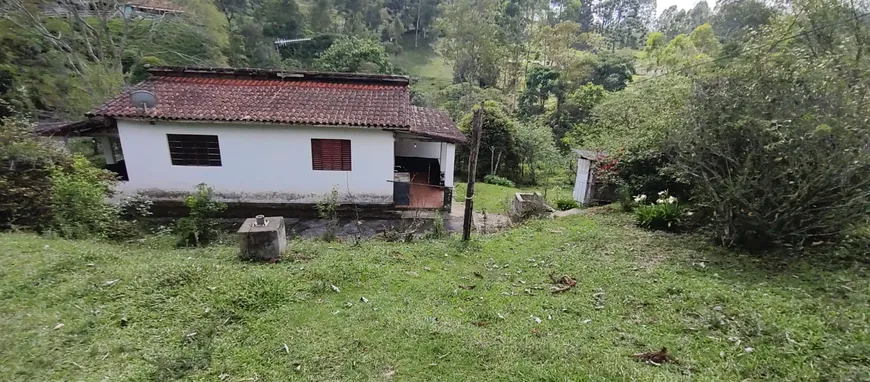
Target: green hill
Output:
[(423, 63)]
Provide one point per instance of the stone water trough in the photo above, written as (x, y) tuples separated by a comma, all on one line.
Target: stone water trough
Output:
[(262, 238), (529, 205)]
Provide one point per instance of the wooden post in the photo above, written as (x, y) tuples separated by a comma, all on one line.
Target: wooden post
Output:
[(477, 126)]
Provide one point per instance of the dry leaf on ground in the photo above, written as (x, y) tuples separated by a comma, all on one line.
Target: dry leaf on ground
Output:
[(656, 358), (563, 283)]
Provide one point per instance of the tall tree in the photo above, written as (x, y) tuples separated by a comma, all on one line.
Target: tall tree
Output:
[(472, 40), (672, 21), (320, 16), (541, 83), (734, 18), (613, 71), (675, 21), (351, 54), (423, 13), (281, 19), (699, 15), (515, 20), (232, 8), (624, 23), (704, 40)]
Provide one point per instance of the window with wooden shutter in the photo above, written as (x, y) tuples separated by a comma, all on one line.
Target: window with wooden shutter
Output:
[(330, 154), (194, 150)]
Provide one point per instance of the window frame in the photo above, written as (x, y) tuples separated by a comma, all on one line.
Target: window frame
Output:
[(194, 150), (331, 161)]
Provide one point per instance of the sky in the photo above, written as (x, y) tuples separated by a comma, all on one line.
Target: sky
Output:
[(661, 5)]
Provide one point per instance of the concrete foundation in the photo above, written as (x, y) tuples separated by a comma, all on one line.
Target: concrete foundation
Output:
[(262, 242)]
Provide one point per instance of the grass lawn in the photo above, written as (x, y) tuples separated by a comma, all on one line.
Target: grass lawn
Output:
[(494, 198), (424, 63), (78, 310)]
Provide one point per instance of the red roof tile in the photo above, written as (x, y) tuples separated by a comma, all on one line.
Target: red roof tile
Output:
[(434, 124), (255, 95)]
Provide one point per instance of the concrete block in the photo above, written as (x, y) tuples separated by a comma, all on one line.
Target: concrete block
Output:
[(529, 205), (262, 242)]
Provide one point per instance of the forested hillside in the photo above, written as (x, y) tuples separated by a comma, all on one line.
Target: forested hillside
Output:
[(61, 58), (556, 74)]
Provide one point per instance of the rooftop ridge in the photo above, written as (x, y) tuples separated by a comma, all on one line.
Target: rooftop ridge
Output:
[(282, 75)]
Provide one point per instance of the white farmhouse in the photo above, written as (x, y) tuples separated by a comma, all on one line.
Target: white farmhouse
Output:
[(273, 137)]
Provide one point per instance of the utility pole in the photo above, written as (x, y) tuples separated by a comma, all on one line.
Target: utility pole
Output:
[(476, 127)]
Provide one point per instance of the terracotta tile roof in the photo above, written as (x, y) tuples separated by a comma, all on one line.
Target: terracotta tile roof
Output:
[(159, 5), (256, 95), (51, 128), (434, 124)]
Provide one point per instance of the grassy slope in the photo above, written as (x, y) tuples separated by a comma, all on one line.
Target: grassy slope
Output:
[(494, 198), (200, 314), (422, 62)]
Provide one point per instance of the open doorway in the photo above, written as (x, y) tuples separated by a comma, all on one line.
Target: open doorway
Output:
[(418, 183)]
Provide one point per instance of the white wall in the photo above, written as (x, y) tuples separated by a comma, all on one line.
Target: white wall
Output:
[(425, 149), (442, 151), (448, 154), (259, 162), (581, 183)]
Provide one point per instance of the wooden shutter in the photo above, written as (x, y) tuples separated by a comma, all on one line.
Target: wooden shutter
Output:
[(330, 154), (345, 155), (316, 158)]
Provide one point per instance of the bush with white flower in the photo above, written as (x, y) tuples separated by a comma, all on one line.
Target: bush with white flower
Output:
[(664, 214)]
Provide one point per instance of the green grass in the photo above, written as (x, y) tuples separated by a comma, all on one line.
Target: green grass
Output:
[(424, 63), (203, 315), (493, 198)]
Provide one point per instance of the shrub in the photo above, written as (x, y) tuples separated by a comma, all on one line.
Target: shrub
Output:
[(79, 200), (135, 207), (779, 159), (131, 211), (125, 231), (766, 186), (626, 201), (566, 204), (498, 181), (199, 227), (438, 229), (640, 173), (658, 216), (665, 214), (328, 210), (25, 175)]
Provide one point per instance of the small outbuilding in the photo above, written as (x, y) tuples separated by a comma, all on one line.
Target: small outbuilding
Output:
[(584, 184)]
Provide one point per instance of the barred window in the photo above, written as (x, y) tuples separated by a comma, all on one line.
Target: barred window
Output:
[(194, 150)]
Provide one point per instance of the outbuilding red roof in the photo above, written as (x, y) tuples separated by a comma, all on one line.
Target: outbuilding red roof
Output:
[(434, 123), (310, 98)]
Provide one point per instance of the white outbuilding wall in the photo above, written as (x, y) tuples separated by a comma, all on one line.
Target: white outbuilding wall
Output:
[(270, 163), (583, 180)]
